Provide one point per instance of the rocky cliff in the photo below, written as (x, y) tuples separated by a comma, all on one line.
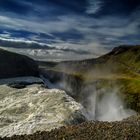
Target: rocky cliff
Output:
[(119, 68)]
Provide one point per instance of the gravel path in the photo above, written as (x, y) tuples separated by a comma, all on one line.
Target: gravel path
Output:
[(128, 129)]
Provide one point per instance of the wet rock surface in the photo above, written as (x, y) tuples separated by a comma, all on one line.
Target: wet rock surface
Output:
[(21, 82), (70, 83), (127, 129)]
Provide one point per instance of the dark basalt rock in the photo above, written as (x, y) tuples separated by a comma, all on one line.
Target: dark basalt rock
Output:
[(16, 65), (70, 83), (20, 85)]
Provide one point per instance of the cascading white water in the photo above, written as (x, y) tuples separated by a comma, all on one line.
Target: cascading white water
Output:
[(101, 104), (107, 107)]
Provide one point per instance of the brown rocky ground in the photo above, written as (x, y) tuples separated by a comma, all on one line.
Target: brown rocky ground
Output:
[(128, 129)]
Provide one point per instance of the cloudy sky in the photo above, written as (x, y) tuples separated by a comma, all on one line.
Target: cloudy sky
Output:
[(69, 29)]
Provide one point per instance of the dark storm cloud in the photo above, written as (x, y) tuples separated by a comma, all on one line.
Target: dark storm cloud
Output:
[(119, 7), (103, 7), (71, 5), (78, 26), (39, 7), (14, 6)]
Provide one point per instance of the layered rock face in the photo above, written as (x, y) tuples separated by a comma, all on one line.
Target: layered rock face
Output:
[(35, 108), (14, 65)]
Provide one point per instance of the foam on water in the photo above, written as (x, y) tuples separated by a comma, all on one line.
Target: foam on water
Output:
[(25, 111)]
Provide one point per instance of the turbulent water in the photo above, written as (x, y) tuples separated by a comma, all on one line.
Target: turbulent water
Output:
[(35, 108)]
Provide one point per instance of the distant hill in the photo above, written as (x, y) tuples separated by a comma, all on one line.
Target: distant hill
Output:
[(15, 65), (119, 59)]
